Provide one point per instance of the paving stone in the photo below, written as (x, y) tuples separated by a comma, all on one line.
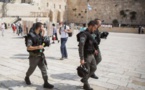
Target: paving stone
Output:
[(143, 76), (120, 76), (122, 64), (118, 82), (132, 74), (124, 88), (136, 87), (104, 84)]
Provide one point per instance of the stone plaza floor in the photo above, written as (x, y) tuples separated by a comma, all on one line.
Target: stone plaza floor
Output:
[(122, 67)]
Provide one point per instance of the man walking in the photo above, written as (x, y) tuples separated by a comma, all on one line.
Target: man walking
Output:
[(36, 55), (96, 36), (64, 30), (86, 52)]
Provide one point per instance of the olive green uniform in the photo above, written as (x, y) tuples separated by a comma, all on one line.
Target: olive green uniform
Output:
[(98, 57), (36, 59), (86, 52)]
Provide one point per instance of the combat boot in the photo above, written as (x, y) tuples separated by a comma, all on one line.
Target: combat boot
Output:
[(94, 76), (48, 85), (27, 80), (87, 87)]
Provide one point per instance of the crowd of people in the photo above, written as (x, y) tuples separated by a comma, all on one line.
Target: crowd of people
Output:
[(17, 28)]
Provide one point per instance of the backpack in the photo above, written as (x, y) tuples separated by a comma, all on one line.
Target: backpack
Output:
[(78, 35), (69, 34), (30, 35), (104, 35), (46, 40), (32, 28)]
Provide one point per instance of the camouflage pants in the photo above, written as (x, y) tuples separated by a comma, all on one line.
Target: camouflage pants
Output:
[(35, 61), (98, 57), (90, 65)]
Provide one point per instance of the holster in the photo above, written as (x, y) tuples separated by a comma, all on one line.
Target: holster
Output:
[(43, 59)]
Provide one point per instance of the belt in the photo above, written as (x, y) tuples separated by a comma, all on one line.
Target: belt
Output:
[(35, 54)]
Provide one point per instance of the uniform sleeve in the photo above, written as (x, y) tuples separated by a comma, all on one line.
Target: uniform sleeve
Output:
[(98, 37), (29, 42), (81, 45), (95, 43)]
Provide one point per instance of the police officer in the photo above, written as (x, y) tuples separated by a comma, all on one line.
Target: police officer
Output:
[(36, 56), (97, 35), (86, 52)]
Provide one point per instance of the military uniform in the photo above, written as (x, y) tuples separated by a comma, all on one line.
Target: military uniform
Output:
[(36, 58), (86, 52), (98, 57)]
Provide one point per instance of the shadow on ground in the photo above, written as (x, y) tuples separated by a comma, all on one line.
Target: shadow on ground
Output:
[(65, 76), (21, 55), (52, 58), (20, 85), (13, 84), (26, 56), (60, 86), (72, 48), (18, 37), (22, 58)]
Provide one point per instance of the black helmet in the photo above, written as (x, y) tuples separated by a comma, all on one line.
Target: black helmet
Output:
[(46, 40), (82, 70)]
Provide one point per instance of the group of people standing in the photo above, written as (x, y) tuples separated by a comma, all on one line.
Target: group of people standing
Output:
[(17, 27)]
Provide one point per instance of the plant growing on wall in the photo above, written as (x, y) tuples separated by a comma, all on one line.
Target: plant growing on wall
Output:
[(123, 14), (133, 16), (115, 22), (74, 9)]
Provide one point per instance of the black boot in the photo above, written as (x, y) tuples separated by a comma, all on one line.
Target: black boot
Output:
[(27, 80), (94, 76), (48, 85), (87, 87)]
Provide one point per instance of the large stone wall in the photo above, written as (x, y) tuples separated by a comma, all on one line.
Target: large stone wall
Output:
[(107, 10), (53, 9), (21, 9)]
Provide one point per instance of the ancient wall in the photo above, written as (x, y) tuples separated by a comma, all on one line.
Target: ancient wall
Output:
[(56, 9), (53, 9), (21, 9), (107, 10)]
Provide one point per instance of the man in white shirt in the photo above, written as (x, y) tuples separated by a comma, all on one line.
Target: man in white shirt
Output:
[(64, 30)]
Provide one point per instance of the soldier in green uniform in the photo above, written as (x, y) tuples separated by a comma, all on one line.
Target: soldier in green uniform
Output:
[(36, 55), (87, 48), (96, 36)]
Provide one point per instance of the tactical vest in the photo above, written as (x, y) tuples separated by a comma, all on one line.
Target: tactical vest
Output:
[(36, 40), (89, 45)]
